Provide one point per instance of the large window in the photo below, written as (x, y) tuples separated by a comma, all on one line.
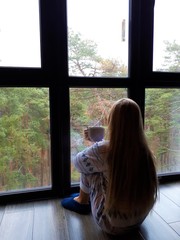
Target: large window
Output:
[(62, 65)]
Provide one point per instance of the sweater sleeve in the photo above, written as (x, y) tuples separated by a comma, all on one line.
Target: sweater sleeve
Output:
[(90, 160)]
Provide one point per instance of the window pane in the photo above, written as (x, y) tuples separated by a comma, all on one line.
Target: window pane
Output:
[(98, 38), (24, 138), (162, 124), (19, 33), (89, 107), (166, 36)]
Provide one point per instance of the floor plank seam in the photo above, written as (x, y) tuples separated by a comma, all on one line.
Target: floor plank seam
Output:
[(161, 218), (33, 222), (2, 216), (140, 233), (170, 199), (175, 231)]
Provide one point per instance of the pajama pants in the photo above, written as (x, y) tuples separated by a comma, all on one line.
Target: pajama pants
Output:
[(95, 185)]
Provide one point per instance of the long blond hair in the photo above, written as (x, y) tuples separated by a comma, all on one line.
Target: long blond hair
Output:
[(132, 175)]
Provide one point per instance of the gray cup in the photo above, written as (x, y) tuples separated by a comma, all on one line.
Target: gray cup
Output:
[(96, 134)]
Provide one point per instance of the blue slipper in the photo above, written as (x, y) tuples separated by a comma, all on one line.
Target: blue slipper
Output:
[(74, 195), (70, 204)]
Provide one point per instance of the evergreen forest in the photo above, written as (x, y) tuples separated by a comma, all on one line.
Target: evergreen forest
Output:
[(24, 138)]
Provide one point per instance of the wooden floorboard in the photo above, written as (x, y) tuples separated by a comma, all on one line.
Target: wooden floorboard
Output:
[(176, 227), (88, 229), (155, 228), (167, 209), (2, 210), (47, 220), (17, 223), (172, 191)]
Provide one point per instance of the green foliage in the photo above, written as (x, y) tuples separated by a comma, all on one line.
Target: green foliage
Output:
[(163, 126), (91, 105), (24, 126)]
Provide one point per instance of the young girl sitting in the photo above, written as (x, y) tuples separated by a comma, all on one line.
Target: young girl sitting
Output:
[(118, 176)]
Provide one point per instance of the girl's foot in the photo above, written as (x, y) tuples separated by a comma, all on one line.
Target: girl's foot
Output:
[(70, 203)]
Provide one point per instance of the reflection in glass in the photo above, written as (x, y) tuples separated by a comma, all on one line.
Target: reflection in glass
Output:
[(25, 161), (98, 38), (162, 124), (19, 33), (89, 107), (166, 36)]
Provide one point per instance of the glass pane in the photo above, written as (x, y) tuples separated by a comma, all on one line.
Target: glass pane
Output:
[(24, 138), (19, 33), (162, 124), (89, 107), (166, 36), (98, 38)]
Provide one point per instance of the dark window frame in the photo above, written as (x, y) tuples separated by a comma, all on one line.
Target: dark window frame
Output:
[(54, 75)]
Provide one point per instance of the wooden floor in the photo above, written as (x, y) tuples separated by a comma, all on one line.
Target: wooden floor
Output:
[(46, 220)]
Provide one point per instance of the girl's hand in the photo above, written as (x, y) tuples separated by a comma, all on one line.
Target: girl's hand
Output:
[(86, 135)]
